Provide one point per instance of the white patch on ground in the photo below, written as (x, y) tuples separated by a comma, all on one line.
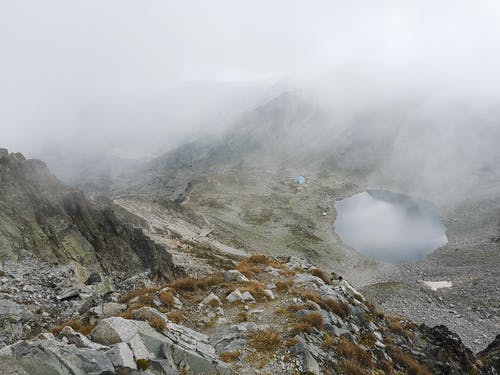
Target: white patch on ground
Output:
[(435, 285)]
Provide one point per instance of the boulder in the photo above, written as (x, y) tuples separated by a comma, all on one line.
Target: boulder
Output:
[(234, 275), (121, 356), (234, 296)]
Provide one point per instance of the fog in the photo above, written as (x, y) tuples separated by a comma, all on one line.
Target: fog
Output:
[(134, 79), (389, 227)]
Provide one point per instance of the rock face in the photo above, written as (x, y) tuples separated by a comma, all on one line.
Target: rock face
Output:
[(491, 355), (41, 216), (123, 345)]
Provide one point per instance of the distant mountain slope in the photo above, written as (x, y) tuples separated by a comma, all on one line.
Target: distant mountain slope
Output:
[(41, 216)]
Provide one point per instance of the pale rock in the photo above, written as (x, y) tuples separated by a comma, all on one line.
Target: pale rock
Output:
[(234, 296), (122, 356), (234, 275)]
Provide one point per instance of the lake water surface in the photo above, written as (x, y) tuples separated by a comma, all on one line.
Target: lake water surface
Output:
[(389, 227)]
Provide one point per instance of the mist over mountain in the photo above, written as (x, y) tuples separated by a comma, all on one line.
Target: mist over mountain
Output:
[(239, 187)]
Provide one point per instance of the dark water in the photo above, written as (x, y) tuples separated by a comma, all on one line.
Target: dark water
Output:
[(389, 227)]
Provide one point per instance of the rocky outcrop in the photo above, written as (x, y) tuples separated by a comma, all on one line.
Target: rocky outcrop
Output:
[(41, 216), (491, 355), (306, 325), (119, 346)]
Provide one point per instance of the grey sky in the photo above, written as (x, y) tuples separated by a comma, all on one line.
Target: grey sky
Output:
[(60, 60)]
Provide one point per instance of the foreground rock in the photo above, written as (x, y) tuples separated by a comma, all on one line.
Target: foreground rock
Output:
[(116, 344)]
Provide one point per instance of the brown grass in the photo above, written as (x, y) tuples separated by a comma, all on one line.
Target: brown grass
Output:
[(157, 323), (264, 340), (215, 279), (301, 327), (373, 309), (319, 273), (284, 285), (176, 316), (76, 324), (185, 284), (256, 289), (146, 299), (248, 270), (338, 307), (350, 367), (242, 316), (291, 342), (214, 303), (167, 298), (230, 357), (368, 339), (349, 350), (328, 342), (137, 293), (405, 361), (288, 273), (253, 264), (315, 319)]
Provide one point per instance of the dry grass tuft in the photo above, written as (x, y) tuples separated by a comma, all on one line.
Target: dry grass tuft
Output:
[(176, 316), (185, 284), (351, 351), (338, 307), (319, 273), (214, 303), (301, 327), (291, 342), (242, 316), (264, 340), (328, 342), (157, 323), (405, 361), (167, 298), (350, 367), (248, 270), (284, 285), (256, 289), (315, 319), (230, 357), (137, 293), (76, 324)]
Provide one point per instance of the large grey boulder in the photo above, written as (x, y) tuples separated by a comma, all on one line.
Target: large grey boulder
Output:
[(52, 357)]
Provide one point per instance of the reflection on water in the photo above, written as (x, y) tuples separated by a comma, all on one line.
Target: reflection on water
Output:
[(389, 227)]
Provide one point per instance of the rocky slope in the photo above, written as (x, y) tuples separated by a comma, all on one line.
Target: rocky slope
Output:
[(40, 216), (266, 315)]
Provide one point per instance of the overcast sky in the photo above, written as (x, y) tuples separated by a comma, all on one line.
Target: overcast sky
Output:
[(62, 59)]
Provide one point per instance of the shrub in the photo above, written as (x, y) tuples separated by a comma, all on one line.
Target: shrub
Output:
[(230, 357), (264, 340)]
